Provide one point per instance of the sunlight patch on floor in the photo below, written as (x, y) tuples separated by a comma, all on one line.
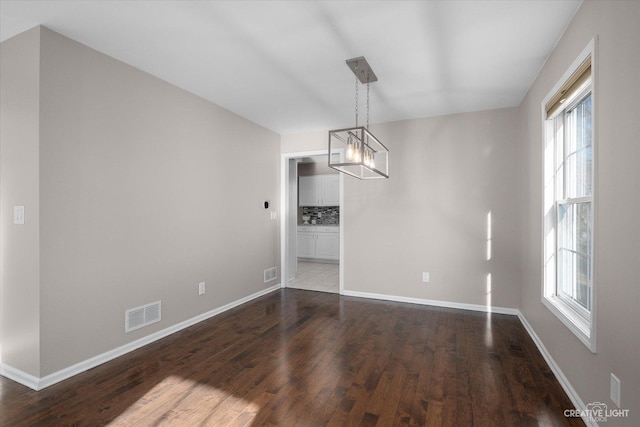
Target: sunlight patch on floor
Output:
[(199, 404)]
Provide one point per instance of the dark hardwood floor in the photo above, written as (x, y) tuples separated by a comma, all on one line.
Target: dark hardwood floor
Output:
[(303, 358)]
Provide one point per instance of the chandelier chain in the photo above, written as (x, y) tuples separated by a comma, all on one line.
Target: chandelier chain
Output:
[(356, 101), (367, 102)]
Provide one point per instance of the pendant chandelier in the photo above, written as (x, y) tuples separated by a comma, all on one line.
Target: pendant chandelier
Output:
[(356, 151)]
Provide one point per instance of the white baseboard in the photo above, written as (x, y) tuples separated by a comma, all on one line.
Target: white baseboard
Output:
[(40, 383), (562, 379), (19, 376), (437, 303)]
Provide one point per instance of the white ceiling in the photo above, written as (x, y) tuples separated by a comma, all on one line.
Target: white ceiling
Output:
[(282, 63)]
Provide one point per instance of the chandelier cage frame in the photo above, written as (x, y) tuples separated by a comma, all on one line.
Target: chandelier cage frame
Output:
[(355, 151)]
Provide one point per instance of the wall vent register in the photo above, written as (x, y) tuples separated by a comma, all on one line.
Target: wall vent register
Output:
[(136, 318), (270, 274)]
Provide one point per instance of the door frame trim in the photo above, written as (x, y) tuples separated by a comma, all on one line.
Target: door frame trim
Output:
[(284, 211)]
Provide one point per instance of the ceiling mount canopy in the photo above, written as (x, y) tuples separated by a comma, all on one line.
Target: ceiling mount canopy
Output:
[(356, 151), (362, 70)]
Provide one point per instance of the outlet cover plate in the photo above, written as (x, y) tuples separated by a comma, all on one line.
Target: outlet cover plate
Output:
[(18, 215), (425, 277), (201, 288), (615, 390)]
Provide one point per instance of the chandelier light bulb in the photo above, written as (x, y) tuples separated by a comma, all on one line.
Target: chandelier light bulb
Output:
[(350, 152)]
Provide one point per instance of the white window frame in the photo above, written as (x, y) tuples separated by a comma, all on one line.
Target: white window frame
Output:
[(580, 321)]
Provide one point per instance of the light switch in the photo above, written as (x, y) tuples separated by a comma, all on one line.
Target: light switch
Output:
[(18, 215), (274, 214)]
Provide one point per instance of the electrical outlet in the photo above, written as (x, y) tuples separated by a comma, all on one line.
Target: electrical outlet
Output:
[(201, 288), (274, 214), (615, 390), (425, 277)]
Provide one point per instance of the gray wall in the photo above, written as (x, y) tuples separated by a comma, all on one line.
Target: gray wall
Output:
[(617, 206), (19, 181), (447, 174), (144, 191)]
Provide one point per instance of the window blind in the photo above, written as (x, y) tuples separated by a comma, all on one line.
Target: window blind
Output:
[(570, 88)]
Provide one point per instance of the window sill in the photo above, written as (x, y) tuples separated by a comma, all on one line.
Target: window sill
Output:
[(572, 320)]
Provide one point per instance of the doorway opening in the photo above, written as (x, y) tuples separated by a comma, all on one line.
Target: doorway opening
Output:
[(311, 223)]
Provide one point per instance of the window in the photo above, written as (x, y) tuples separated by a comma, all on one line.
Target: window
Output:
[(568, 289)]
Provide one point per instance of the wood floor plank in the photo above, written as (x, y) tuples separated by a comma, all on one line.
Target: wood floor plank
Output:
[(307, 358)]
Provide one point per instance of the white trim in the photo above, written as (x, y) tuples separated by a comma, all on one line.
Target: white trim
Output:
[(586, 334), (296, 154), (437, 303), (40, 383), (564, 382), (573, 321), (341, 225), (284, 166), (19, 376), (595, 143), (283, 218)]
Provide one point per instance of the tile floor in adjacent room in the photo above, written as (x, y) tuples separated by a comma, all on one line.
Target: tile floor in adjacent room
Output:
[(317, 276)]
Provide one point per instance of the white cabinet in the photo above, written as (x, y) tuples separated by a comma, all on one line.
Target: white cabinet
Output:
[(330, 190), (319, 190), (308, 194), (328, 246), (319, 242), (306, 244)]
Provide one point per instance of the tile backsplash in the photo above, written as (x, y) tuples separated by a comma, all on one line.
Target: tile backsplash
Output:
[(323, 215)]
